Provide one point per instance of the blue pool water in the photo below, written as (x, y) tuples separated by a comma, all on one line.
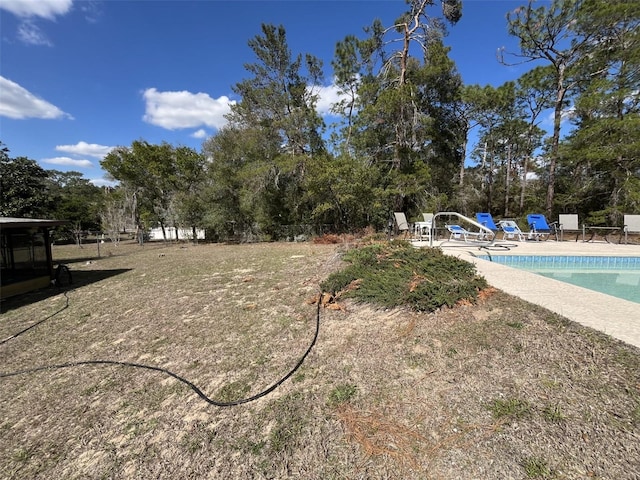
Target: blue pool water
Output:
[(617, 276)]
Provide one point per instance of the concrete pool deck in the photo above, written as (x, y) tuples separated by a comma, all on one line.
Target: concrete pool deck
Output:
[(616, 317)]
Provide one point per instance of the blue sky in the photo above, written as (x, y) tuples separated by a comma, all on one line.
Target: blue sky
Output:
[(78, 78)]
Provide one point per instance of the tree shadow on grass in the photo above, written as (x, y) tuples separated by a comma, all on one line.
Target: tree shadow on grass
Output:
[(66, 282)]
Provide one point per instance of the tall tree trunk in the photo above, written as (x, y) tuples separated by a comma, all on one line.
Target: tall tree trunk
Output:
[(464, 156), (490, 183), (555, 142), (507, 182), (523, 187)]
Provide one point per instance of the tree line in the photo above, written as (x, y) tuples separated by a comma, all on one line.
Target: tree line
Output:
[(402, 135)]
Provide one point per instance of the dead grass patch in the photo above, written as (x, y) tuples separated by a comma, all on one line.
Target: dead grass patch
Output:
[(233, 318), (380, 436)]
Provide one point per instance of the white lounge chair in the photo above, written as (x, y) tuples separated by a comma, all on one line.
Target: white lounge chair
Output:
[(422, 230), (401, 223), (456, 232), (511, 230), (631, 225), (568, 222)]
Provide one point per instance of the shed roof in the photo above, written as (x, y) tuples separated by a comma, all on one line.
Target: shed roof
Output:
[(13, 222)]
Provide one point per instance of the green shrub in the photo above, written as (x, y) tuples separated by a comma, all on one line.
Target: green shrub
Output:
[(395, 273)]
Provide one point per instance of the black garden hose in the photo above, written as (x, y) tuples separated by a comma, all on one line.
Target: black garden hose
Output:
[(190, 384), (66, 305)]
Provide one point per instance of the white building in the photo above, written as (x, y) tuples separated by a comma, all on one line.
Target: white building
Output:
[(183, 233)]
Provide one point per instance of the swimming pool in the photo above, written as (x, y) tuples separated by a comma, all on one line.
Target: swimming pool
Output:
[(617, 276)]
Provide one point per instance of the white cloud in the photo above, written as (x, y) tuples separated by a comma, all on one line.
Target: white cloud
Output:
[(173, 110), (48, 9), (92, 10), (327, 97), (30, 33), (199, 134), (17, 102), (84, 148), (183, 109), (68, 162), (103, 182), (29, 10), (566, 115)]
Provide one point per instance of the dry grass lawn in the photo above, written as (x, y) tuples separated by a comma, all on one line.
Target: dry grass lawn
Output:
[(498, 390)]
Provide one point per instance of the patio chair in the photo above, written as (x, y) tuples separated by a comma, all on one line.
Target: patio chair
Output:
[(456, 232), (486, 220), (568, 222), (631, 225), (539, 229), (401, 223), (511, 230), (422, 230)]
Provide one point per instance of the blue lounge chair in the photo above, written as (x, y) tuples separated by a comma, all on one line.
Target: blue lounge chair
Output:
[(539, 229), (486, 220), (456, 232)]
